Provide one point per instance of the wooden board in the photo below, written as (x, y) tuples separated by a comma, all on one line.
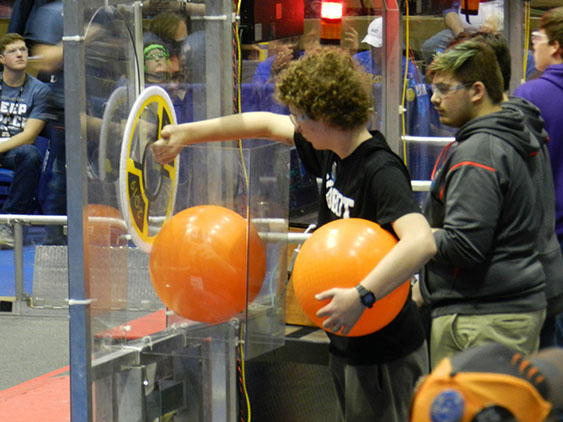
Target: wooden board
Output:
[(293, 313)]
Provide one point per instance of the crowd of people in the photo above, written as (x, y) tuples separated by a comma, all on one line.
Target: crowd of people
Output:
[(484, 252)]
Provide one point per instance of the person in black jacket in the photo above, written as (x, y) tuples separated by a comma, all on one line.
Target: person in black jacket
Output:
[(486, 283)]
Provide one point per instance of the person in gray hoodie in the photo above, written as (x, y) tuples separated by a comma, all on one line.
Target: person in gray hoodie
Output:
[(548, 246), (541, 171), (486, 282)]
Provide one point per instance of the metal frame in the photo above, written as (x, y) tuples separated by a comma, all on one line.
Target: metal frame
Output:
[(18, 221), (219, 19), (392, 29), (75, 141), (514, 33)]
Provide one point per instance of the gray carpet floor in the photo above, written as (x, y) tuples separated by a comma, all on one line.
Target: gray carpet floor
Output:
[(31, 346)]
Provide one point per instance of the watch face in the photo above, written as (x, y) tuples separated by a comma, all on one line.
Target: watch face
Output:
[(368, 299)]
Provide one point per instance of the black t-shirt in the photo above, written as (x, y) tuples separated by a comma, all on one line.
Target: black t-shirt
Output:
[(371, 183)]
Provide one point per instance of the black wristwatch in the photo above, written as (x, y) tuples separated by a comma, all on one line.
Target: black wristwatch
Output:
[(366, 297)]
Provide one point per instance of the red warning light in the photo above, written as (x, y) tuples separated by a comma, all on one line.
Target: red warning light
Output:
[(331, 10)]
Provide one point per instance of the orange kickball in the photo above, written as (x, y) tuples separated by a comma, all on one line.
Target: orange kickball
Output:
[(199, 260), (341, 254), (105, 226)]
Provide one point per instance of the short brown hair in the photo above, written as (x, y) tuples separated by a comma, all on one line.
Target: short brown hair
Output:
[(552, 23), (328, 85), (9, 38), (498, 44), (469, 62)]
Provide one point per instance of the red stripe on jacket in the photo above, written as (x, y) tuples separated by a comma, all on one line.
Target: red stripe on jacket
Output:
[(466, 163)]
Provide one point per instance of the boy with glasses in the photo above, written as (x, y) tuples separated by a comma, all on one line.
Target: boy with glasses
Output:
[(486, 282), (157, 64), (23, 113), (546, 93), (330, 101), (540, 168)]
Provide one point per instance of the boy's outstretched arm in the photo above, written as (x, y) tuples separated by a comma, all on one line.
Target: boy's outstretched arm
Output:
[(415, 247), (276, 127)]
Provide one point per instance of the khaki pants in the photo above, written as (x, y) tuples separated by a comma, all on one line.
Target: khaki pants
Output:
[(454, 333)]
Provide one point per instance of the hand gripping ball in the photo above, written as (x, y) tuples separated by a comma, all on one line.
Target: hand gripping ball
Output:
[(341, 254), (199, 260)]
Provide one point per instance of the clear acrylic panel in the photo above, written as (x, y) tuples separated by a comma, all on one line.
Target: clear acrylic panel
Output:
[(152, 356)]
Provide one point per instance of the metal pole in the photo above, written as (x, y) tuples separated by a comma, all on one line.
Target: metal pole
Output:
[(513, 31), (391, 75), (17, 220), (18, 266), (75, 141)]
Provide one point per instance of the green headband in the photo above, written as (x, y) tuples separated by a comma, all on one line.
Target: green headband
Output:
[(152, 47)]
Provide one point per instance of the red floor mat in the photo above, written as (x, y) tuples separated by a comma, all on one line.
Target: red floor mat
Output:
[(47, 398)]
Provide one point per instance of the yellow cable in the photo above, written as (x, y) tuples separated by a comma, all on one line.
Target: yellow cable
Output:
[(239, 57), (239, 103), (527, 13), (403, 109), (243, 373), (239, 109)]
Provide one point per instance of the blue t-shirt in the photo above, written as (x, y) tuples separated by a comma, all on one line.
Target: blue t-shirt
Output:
[(22, 11), (17, 105), (263, 70), (262, 74), (420, 114), (46, 27)]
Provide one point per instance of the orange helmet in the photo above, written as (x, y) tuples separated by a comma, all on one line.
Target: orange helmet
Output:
[(486, 383)]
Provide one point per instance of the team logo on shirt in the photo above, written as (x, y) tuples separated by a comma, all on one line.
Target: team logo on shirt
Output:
[(13, 117), (339, 204)]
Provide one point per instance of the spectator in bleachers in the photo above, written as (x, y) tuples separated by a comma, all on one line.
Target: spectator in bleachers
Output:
[(420, 115), (23, 113), (186, 48), (282, 52), (185, 62), (161, 71), (489, 15), (157, 64)]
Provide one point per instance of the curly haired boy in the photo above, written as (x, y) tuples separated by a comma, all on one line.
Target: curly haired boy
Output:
[(330, 101)]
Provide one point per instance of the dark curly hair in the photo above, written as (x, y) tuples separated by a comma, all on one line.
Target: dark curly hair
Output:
[(328, 85)]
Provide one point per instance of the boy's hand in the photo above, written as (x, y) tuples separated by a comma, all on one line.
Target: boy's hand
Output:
[(343, 311), (281, 60), (351, 41), (168, 146)]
